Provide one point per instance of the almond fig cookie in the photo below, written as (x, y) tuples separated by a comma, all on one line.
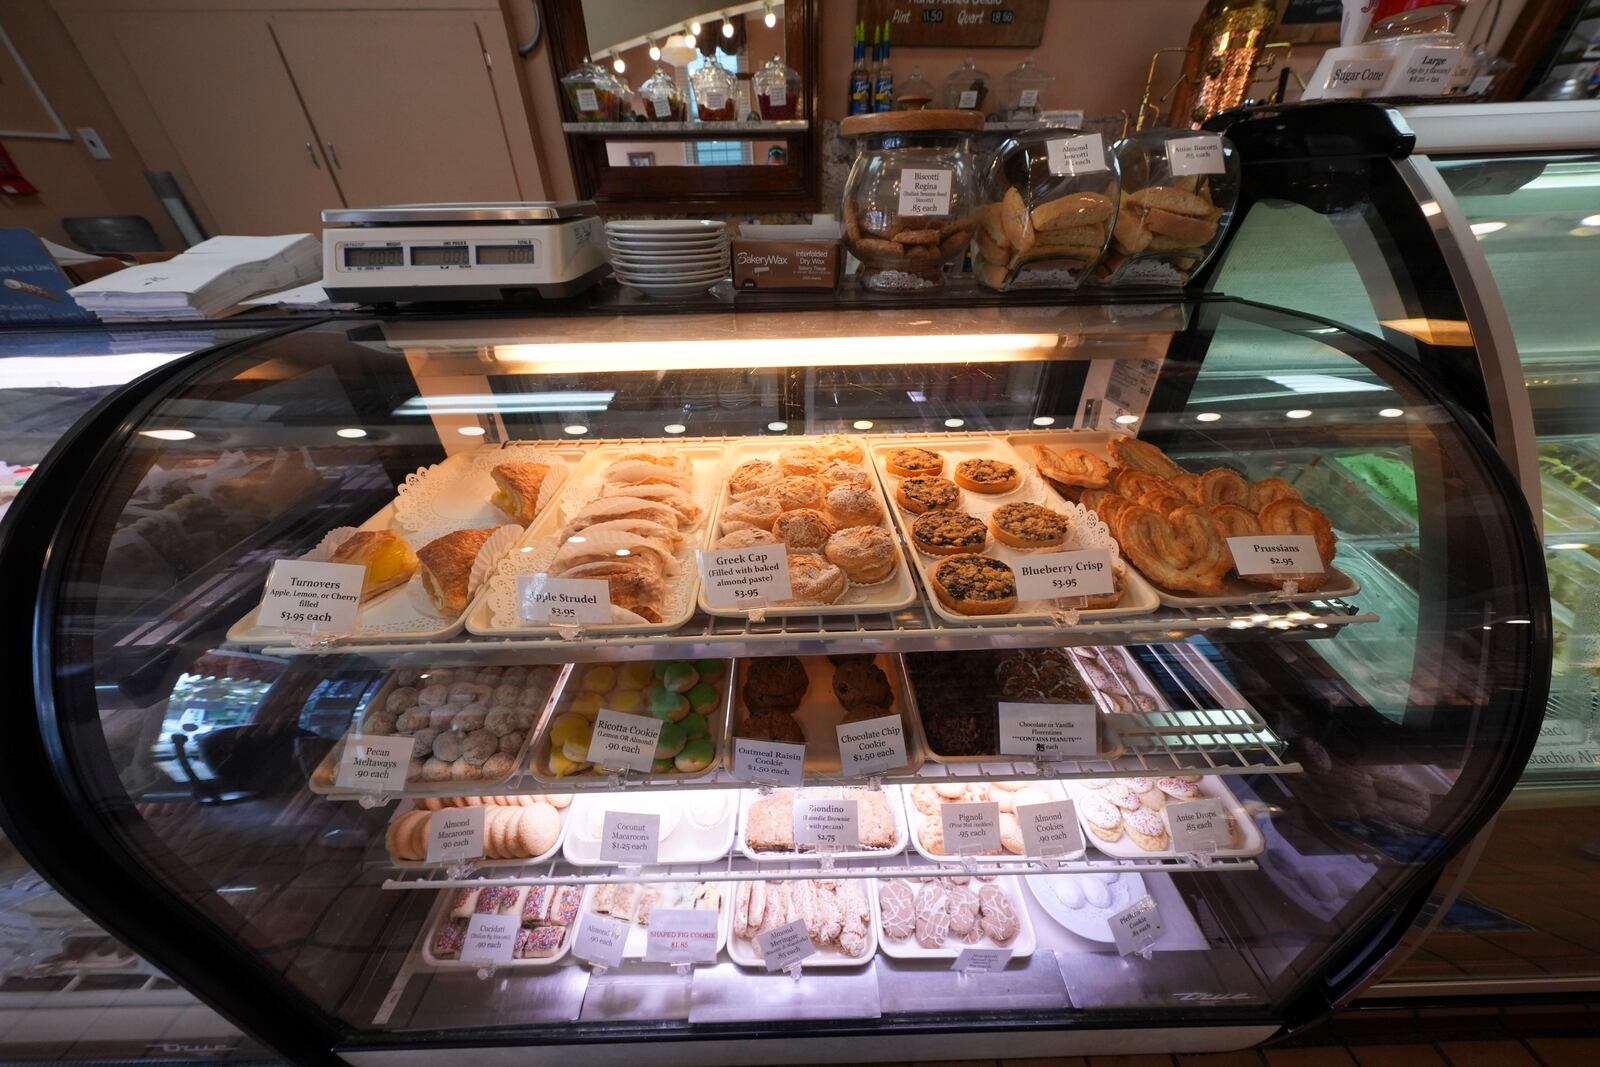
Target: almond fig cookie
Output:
[(925, 493), (949, 533), (975, 585), (988, 476)]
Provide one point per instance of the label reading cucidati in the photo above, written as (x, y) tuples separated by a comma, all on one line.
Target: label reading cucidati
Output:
[(981, 960), (587, 100), (871, 746), (1083, 154), (562, 601), (970, 829), (455, 834), (924, 192), (1199, 154), (1049, 731), (681, 935), (826, 825), (769, 762), (630, 838), (784, 946), (599, 940), (1137, 928), (304, 597), (490, 939), (1053, 575), (745, 577), (1199, 825), (624, 742), (1050, 829), (1285, 554), (374, 764)]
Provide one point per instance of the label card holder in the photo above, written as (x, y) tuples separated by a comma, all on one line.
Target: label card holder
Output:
[(924, 192), (1279, 555), (681, 936), (871, 746), (490, 939), (784, 947), (1050, 830), (981, 960), (827, 825), (769, 762), (1071, 156), (630, 839), (1046, 732), (1199, 153)]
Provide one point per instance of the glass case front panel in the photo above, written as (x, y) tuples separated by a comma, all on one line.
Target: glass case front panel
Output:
[(674, 652)]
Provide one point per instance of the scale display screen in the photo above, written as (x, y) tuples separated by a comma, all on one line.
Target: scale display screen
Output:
[(501, 255), (374, 257), (439, 256)]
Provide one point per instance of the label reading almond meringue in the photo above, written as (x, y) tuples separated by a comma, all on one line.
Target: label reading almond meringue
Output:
[(1276, 554), (745, 577), (871, 746), (784, 946), (545, 600), (1053, 575)]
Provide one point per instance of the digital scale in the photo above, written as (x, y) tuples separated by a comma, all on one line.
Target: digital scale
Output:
[(433, 252)]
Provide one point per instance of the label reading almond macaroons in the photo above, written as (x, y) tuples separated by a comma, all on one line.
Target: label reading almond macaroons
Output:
[(455, 834)]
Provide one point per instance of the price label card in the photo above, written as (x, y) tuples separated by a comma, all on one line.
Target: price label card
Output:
[(981, 960), (455, 834), (587, 100), (562, 601), (374, 764), (1137, 928), (1356, 77), (1028, 98), (1083, 154), (1052, 575), (599, 940), (1199, 825), (871, 746), (661, 104), (1049, 731), (1200, 154), (490, 938), (971, 828), (630, 838), (778, 95), (308, 598), (624, 742), (826, 825), (968, 99), (771, 762), (784, 946), (1426, 72), (1284, 554), (745, 577), (924, 192), (1480, 84), (1073, 120), (681, 935), (1050, 829)]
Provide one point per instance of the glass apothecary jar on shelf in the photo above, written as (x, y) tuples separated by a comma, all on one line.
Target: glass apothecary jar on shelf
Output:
[(1178, 192), (1022, 94), (910, 196), (777, 89), (714, 93), (913, 93), (967, 87), (1051, 199), (593, 94), (663, 98)]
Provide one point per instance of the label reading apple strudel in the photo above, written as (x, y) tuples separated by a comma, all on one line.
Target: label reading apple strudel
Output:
[(563, 601)]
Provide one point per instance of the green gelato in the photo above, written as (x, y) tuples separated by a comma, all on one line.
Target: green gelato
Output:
[(1391, 478)]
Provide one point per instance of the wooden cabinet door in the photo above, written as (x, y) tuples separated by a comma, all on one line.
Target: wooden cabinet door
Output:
[(404, 104), (220, 90)]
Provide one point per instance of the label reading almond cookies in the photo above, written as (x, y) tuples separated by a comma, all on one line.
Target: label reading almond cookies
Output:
[(1053, 575), (871, 746), (1083, 154), (455, 834), (1277, 554), (1050, 830), (745, 577), (1199, 154), (924, 192)]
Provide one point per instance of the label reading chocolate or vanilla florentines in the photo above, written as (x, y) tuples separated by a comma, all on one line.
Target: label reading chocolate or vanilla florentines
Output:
[(490, 939), (1083, 154), (681, 935), (1050, 829), (970, 829), (600, 940), (769, 762), (826, 825), (374, 764), (745, 577), (1199, 825), (1200, 154), (1049, 731), (871, 746), (1053, 575), (630, 838), (1138, 928), (306, 598), (624, 742), (1285, 554), (924, 192), (562, 601), (455, 834), (784, 946)]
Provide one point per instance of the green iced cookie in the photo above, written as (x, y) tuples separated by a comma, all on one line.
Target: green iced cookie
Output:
[(680, 677), (695, 726), (703, 697), (671, 741), (663, 766), (696, 756), (663, 703)]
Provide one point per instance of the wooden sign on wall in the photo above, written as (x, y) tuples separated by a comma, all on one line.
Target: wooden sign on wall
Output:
[(957, 23)]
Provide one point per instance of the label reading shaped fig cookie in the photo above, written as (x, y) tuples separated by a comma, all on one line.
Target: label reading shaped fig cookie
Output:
[(562, 601), (372, 764), (1199, 825), (624, 742), (871, 746), (826, 825), (1049, 731), (1199, 154), (769, 762), (924, 192), (1137, 928), (1285, 554), (1083, 154), (1050, 829), (681, 935), (490, 938), (600, 940), (981, 960), (630, 838), (455, 834), (1053, 575), (745, 577), (784, 946), (971, 829), (305, 598)]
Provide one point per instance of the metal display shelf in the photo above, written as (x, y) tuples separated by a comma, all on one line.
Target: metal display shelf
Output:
[(659, 129)]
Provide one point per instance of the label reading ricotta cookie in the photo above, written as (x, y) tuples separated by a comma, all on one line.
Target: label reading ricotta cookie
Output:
[(374, 764), (871, 746), (312, 598), (455, 834), (681, 935), (785, 946), (971, 829), (1276, 554), (621, 741), (745, 577), (1049, 731)]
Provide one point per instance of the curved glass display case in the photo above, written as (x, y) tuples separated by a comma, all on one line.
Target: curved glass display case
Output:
[(461, 812)]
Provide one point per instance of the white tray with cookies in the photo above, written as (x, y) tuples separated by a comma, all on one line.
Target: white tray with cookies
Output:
[(924, 799), (931, 901), (1104, 808), (976, 460), (624, 901), (696, 825), (851, 944), (766, 823), (613, 507), (456, 906), (818, 710), (1234, 590), (518, 829), (1086, 903), (822, 487)]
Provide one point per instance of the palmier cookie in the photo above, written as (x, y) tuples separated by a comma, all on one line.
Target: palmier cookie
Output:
[(926, 493), (975, 585), (752, 476), (804, 529), (796, 491), (813, 580), (1023, 525), (759, 511), (865, 553), (851, 505), (910, 462), (949, 533), (987, 476), (839, 472)]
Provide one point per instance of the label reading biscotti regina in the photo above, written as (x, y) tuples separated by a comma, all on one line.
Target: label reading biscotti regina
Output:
[(871, 746), (924, 192)]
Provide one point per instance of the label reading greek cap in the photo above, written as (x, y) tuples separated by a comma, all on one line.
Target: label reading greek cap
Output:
[(624, 742), (372, 763), (630, 838), (1083, 154), (871, 746), (562, 601), (745, 577), (924, 192), (970, 829), (681, 935), (826, 825), (784, 946), (304, 597), (1050, 829), (1199, 154), (1284, 554), (1052, 575), (769, 762), (455, 834)]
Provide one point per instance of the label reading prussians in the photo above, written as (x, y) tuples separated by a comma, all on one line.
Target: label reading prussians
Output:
[(563, 601), (871, 746), (306, 598), (624, 742), (1053, 575), (745, 577), (1285, 554), (924, 192)]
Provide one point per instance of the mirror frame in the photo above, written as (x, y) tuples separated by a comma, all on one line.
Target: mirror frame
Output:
[(756, 189)]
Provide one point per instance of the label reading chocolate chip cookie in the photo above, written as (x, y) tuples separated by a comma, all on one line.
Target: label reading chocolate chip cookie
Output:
[(1049, 731), (1053, 575), (1278, 554), (455, 834), (1050, 829), (624, 742), (745, 577), (924, 192), (970, 829), (1083, 154), (1199, 154), (871, 746)]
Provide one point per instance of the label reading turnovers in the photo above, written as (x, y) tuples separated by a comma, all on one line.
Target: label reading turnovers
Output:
[(374, 764), (308, 598), (826, 825), (490, 938), (1201, 154), (630, 838), (1136, 929), (971, 829), (1284, 554), (1049, 731), (1050, 829), (924, 192), (769, 762), (1083, 154), (562, 601), (1053, 575), (455, 834), (624, 742), (871, 746), (745, 577), (784, 946), (600, 940), (681, 935)]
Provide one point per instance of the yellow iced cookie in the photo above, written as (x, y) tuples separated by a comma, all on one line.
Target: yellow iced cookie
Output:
[(570, 734), (587, 705), (628, 700), (599, 678), (565, 768), (634, 675)]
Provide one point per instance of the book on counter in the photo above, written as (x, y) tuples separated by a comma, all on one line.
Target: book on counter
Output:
[(208, 281)]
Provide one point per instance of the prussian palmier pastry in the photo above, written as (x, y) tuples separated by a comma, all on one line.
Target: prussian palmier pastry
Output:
[(837, 446), (1269, 490), (1189, 485), (987, 476), (1108, 507), (1222, 485), (1073, 467), (745, 537), (949, 533), (1025, 525), (839, 472), (752, 476), (761, 511), (865, 553), (1165, 498), (517, 489), (804, 529), (975, 585), (446, 566), (813, 580), (803, 459), (1134, 483), (796, 491), (1297, 517), (1142, 455), (388, 560), (910, 462), (851, 505), (926, 493), (1182, 551), (1235, 521)]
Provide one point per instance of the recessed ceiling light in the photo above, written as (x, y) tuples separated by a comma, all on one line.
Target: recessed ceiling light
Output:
[(1483, 229), (1298, 413), (1519, 622), (862, 424), (954, 423), (351, 432), (777, 427), (471, 431), (1044, 420), (169, 435), (674, 427), (1589, 220), (575, 429), (1391, 413), (1570, 544), (1126, 420), (1207, 416)]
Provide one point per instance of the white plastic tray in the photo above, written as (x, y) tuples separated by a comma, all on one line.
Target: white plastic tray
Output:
[(915, 819), (746, 953), (1210, 786), (1021, 946), (1087, 921), (681, 840), (437, 915), (423, 865), (896, 812), (638, 936)]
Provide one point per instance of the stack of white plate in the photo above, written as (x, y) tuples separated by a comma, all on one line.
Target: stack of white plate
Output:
[(668, 257)]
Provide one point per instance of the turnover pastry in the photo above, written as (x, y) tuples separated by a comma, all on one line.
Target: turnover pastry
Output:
[(446, 566), (388, 560), (659, 493), (612, 508), (634, 585), (517, 489), (975, 585), (987, 476), (865, 553)]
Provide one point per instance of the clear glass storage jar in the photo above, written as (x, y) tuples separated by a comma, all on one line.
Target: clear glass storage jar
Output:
[(777, 89), (914, 93), (1178, 191), (967, 87), (1022, 95), (910, 196), (663, 98), (713, 93), (592, 94)]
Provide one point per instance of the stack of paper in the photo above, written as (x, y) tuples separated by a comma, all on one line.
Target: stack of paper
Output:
[(205, 282)]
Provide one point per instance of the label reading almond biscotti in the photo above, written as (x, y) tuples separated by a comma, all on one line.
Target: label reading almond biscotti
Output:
[(1083, 154)]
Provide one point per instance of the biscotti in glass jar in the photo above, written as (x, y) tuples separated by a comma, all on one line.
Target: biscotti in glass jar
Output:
[(1178, 191)]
